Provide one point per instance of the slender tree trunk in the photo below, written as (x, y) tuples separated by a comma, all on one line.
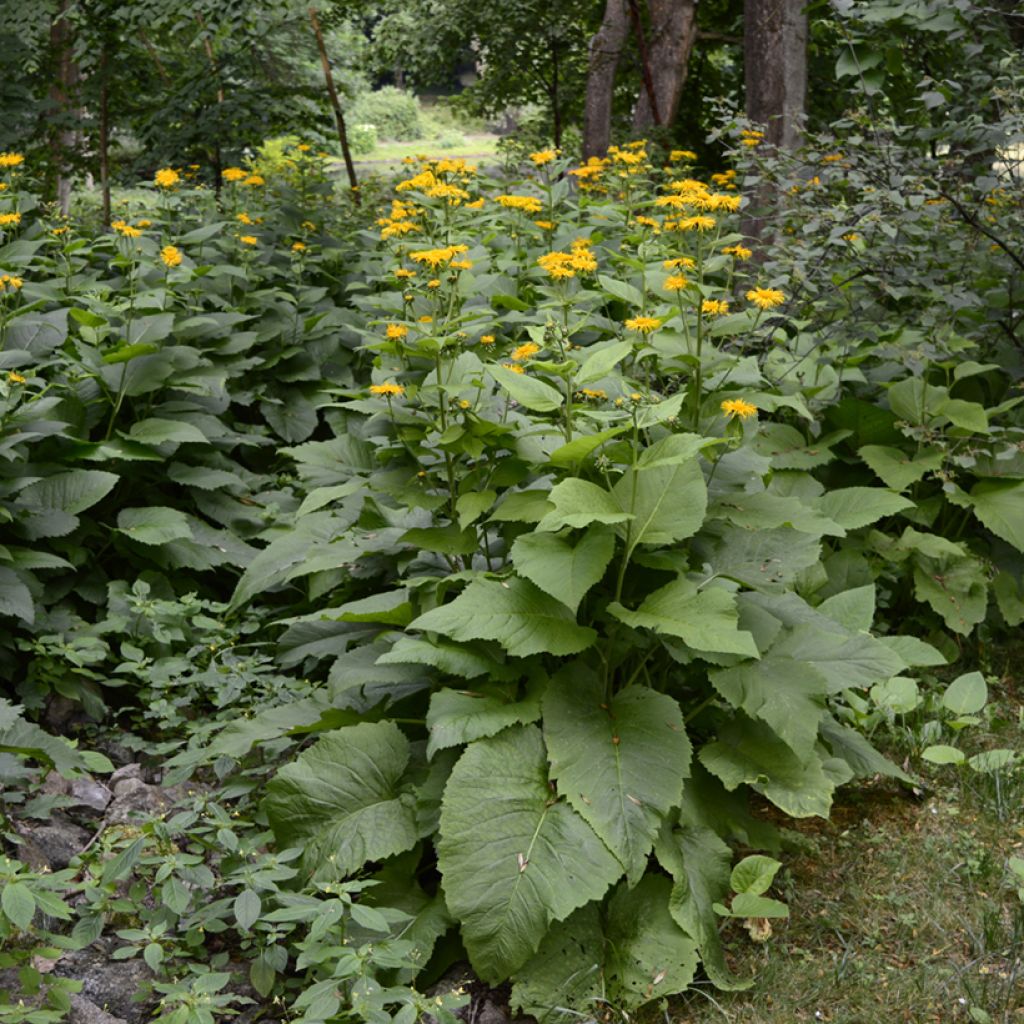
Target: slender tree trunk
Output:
[(339, 117), (606, 48), (216, 155), (64, 140), (673, 33), (556, 99), (104, 141), (775, 67), (645, 65)]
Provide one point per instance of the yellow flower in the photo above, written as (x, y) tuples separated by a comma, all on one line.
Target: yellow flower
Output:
[(9, 218), (476, 204), (738, 407), (244, 218), (404, 272), (254, 179), (647, 222), (15, 378), (699, 223), (680, 263), (144, 223), (11, 159), (643, 324), (714, 307), (525, 204), (738, 251), (486, 339), (434, 282), (426, 319), (167, 177), (435, 257), (60, 231), (545, 225), (514, 367), (9, 282), (461, 264), (853, 237), (396, 331), (682, 154), (303, 147), (126, 229), (594, 394), (766, 298), (234, 174), (675, 283), (308, 225), (543, 156), (464, 403), (248, 239), (523, 352), (388, 389), (298, 246), (831, 158), (171, 256)]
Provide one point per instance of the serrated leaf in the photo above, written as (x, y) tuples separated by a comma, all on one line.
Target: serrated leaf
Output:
[(456, 717), (507, 882), (342, 800), (18, 904), (161, 431), (70, 492), (999, 504), (667, 502), (453, 659), (895, 468), (560, 568), (517, 614), (620, 764), (854, 507), (15, 597), (578, 503), (706, 620), (580, 447), (153, 525)]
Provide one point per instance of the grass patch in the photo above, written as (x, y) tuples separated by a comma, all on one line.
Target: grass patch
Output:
[(481, 145)]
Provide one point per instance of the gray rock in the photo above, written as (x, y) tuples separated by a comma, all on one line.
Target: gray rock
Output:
[(84, 1011), (134, 798), (58, 840), (118, 988), (127, 771), (89, 793)]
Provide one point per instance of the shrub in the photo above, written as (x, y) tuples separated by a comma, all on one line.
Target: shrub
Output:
[(395, 114)]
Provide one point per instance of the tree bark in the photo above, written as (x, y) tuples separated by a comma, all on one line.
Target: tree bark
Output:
[(65, 139), (673, 33), (104, 139), (605, 50), (339, 117), (775, 68)]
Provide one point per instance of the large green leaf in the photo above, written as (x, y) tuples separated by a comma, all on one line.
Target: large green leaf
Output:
[(698, 861), (705, 619), (854, 507), (520, 616), (153, 525), (15, 597), (71, 492), (999, 504), (620, 763), (578, 503), (461, 716), (666, 500), (897, 469), (635, 955), (528, 391), (750, 752), (763, 559), (787, 693), (560, 568), (343, 801), (512, 858)]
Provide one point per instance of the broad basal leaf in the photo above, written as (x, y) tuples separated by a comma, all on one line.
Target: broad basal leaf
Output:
[(512, 858), (343, 800), (461, 716), (667, 502), (705, 619), (578, 503), (520, 616), (560, 568), (621, 764)]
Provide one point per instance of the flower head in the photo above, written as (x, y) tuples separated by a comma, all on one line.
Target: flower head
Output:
[(11, 159), (15, 378), (388, 389), (248, 240), (7, 219), (543, 156), (234, 174), (167, 177), (170, 255), (738, 251), (680, 263), (525, 204), (395, 332), (523, 352), (298, 246), (766, 298), (675, 283), (643, 324), (254, 179), (10, 283), (738, 407), (486, 339), (714, 307)]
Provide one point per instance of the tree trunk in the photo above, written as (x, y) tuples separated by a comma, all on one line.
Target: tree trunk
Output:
[(673, 33), (339, 117), (65, 139), (104, 140), (775, 67), (605, 50), (556, 99)]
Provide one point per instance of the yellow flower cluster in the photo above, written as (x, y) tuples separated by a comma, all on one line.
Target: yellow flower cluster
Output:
[(751, 137), (231, 174), (435, 257), (589, 174), (399, 221), (678, 155), (7, 219), (738, 251), (680, 263), (395, 332), (714, 307), (388, 389), (524, 204), (248, 239), (9, 160), (563, 265), (10, 283), (523, 352), (544, 156), (122, 227)]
